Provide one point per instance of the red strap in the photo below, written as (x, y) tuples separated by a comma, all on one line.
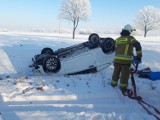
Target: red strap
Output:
[(139, 98), (149, 112)]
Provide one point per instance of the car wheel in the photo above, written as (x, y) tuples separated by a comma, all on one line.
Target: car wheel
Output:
[(47, 50), (94, 39), (107, 45), (51, 64)]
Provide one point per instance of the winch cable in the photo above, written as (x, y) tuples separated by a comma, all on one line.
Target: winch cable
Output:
[(139, 99)]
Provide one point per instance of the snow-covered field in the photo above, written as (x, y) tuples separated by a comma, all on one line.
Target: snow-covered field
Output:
[(28, 95)]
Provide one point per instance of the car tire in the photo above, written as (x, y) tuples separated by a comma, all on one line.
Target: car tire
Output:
[(48, 51), (51, 64), (94, 39), (107, 45)]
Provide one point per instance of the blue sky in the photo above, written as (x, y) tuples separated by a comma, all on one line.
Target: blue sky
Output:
[(105, 14)]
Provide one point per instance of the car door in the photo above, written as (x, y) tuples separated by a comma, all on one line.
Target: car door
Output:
[(79, 63)]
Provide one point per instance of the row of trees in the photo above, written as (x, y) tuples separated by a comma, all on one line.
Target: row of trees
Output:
[(76, 10)]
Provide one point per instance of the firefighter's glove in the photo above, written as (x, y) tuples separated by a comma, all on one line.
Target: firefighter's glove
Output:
[(138, 58)]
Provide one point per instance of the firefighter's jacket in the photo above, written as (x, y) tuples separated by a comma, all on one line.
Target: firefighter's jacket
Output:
[(124, 49)]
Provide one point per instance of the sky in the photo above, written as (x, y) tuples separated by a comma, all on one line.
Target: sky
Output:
[(106, 15)]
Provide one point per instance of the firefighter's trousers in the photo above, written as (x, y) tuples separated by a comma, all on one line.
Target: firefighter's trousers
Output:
[(121, 71)]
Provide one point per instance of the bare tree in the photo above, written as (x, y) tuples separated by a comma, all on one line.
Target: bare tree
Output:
[(74, 11), (148, 19)]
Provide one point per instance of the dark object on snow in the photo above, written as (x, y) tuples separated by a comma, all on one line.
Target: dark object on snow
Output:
[(147, 73), (144, 73)]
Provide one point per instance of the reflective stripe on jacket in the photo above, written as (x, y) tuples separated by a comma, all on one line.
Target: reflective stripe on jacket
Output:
[(124, 49)]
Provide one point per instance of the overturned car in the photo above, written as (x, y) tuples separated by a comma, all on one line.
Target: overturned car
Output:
[(90, 56)]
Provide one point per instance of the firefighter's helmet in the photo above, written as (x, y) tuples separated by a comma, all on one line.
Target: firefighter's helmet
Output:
[(129, 28)]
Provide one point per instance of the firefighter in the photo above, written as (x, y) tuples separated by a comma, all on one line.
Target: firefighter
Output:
[(124, 46)]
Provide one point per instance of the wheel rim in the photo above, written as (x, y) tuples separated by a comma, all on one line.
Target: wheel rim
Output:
[(51, 64), (94, 39), (48, 51), (108, 46)]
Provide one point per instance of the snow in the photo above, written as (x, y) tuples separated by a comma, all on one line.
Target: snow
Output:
[(30, 95)]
